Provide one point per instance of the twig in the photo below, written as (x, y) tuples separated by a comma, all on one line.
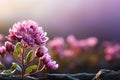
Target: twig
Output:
[(38, 66), (23, 64)]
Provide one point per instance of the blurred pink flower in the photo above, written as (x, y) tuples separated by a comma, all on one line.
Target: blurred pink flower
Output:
[(110, 57), (58, 45), (112, 52), (68, 53), (2, 51), (57, 42), (82, 44), (72, 41), (109, 50), (73, 44), (91, 41)]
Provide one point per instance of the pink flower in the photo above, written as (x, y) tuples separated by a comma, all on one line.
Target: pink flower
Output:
[(109, 50), (9, 46), (92, 41), (49, 62), (72, 41), (46, 58), (27, 32), (89, 42), (69, 53), (52, 65), (2, 51), (82, 44), (41, 51), (112, 52), (57, 44)]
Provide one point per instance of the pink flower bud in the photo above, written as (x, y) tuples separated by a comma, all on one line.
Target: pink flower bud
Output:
[(2, 51), (46, 58), (9, 46), (92, 41), (52, 65), (41, 51)]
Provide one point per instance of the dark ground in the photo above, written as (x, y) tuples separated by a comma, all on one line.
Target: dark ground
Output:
[(103, 74)]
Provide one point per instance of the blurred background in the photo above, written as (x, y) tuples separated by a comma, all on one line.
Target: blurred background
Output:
[(83, 18), (61, 18)]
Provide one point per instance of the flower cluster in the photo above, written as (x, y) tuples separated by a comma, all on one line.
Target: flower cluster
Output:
[(111, 51), (73, 45), (30, 46), (83, 43), (27, 32), (46, 58)]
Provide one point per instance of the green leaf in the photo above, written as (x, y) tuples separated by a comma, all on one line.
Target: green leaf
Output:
[(13, 67), (18, 68), (30, 69), (18, 50), (29, 56)]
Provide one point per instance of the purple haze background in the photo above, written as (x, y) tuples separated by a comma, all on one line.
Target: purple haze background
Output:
[(82, 18)]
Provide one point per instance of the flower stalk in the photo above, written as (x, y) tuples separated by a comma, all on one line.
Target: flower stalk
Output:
[(31, 41)]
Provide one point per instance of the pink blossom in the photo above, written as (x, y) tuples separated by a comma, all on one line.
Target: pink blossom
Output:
[(2, 51), (41, 51), (46, 58), (68, 53), (9, 46), (52, 65), (112, 52), (49, 62), (92, 41), (57, 44), (27, 32), (72, 41), (82, 43)]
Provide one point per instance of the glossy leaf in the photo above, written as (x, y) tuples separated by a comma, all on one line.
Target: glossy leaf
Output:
[(13, 67), (18, 50), (29, 56), (18, 68), (30, 69)]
